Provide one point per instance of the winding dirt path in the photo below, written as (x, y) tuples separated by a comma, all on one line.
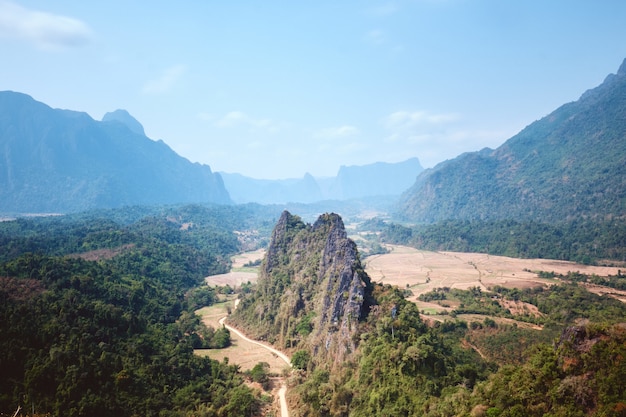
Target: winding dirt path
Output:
[(284, 410), (256, 342)]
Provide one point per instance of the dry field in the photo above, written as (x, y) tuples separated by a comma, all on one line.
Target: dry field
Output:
[(240, 260), (234, 279), (241, 352), (238, 274), (423, 271)]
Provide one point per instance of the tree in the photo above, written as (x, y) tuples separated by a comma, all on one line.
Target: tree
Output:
[(300, 359)]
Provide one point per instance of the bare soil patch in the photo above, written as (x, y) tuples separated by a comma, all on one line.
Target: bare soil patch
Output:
[(234, 279), (423, 271), (611, 292), (238, 274), (241, 352), (102, 254), (20, 289), (240, 260), (520, 308)]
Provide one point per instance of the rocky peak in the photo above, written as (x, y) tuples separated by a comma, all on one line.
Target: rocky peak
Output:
[(344, 292), (622, 68), (311, 290), (122, 116)]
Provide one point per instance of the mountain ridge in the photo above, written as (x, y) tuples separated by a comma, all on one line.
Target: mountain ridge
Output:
[(569, 164), (351, 182), (54, 160)]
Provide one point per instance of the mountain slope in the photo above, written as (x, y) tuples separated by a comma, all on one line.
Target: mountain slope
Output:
[(55, 160), (312, 291), (570, 164)]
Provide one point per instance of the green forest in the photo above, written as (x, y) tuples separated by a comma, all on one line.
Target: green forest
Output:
[(588, 241), (97, 318), (574, 366), (96, 313)]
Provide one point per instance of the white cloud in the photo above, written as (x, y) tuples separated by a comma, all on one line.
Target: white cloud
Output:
[(166, 80), (375, 37), (237, 118), (46, 30), (337, 132), (435, 137), (412, 119)]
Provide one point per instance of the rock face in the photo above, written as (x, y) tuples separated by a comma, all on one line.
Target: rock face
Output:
[(312, 291)]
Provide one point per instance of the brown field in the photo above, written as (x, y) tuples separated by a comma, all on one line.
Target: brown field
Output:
[(240, 260), (422, 271), (102, 254), (238, 274), (234, 279), (241, 352)]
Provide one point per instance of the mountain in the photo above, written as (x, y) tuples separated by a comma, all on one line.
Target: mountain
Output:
[(312, 290), (244, 189), (351, 182), (377, 179), (54, 160), (126, 119), (570, 164)]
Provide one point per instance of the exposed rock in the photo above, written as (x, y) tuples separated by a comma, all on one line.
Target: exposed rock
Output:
[(312, 291)]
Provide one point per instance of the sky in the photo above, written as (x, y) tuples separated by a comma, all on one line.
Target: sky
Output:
[(276, 89)]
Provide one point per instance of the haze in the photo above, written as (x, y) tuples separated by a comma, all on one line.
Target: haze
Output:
[(278, 89)]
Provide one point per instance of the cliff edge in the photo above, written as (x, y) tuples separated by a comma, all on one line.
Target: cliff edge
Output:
[(312, 291)]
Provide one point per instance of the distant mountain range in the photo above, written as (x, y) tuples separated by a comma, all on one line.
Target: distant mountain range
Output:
[(55, 160), (570, 164), (351, 182)]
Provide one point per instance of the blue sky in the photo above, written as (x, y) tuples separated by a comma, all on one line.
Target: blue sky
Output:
[(275, 89)]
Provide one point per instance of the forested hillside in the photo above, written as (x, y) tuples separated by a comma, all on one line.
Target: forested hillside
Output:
[(585, 241), (570, 362), (570, 164), (60, 161), (96, 313)]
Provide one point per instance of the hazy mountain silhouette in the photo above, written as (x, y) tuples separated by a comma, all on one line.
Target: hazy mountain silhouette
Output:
[(55, 160), (126, 119), (351, 182)]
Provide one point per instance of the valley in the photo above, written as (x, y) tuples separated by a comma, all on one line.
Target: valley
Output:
[(422, 271)]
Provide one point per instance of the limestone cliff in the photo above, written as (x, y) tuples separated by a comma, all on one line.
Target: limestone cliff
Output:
[(312, 291)]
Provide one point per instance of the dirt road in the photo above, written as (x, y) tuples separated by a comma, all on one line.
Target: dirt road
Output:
[(276, 352), (284, 411)]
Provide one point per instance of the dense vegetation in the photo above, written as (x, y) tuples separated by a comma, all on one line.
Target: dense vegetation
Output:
[(571, 164), (483, 360), (405, 367), (585, 241), (96, 318), (96, 314)]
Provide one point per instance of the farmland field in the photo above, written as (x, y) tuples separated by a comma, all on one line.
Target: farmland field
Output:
[(241, 352), (422, 271), (239, 274)]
